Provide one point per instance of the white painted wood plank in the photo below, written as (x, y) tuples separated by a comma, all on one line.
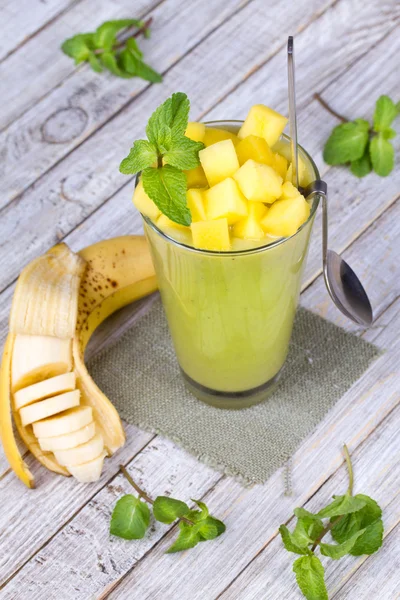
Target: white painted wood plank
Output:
[(90, 175), (86, 100), (84, 559), (22, 19), (377, 471), (39, 65)]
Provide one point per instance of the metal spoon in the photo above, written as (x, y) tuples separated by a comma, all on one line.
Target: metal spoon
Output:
[(342, 283)]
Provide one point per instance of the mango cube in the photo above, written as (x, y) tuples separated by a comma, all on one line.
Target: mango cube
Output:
[(196, 177), (195, 201), (259, 183), (303, 176), (250, 228), (289, 191), (163, 223), (195, 131), (256, 148), (211, 235), (213, 135), (285, 216), (263, 122), (226, 200), (144, 204), (280, 165), (219, 161)]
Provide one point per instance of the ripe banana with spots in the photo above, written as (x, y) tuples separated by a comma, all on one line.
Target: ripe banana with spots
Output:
[(63, 418)]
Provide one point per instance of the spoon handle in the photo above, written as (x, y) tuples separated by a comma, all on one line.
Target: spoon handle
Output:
[(292, 112)]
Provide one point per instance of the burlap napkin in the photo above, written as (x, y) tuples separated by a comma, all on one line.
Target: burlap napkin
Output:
[(140, 375)]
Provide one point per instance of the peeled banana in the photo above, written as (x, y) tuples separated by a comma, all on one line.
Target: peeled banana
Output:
[(62, 416)]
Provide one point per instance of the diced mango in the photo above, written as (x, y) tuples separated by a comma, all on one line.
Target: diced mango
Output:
[(211, 235), (281, 165), (144, 204), (175, 230), (213, 135), (264, 122), (195, 201), (285, 216), (219, 161), (304, 175), (195, 131), (289, 191), (197, 178), (250, 228), (259, 183), (225, 200), (163, 222), (257, 149)]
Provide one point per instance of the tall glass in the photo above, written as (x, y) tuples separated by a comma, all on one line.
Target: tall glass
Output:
[(231, 314)]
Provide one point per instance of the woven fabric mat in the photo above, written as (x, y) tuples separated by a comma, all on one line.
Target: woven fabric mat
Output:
[(141, 376)]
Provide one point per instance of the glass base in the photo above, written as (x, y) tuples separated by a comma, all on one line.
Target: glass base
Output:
[(231, 400)]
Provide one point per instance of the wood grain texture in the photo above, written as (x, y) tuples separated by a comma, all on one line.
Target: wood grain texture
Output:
[(40, 65), (21, 20)]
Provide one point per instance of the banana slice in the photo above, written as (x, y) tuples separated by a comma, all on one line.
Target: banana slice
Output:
[(68, 440), (45, 389), (47, 408), (80, 454), (70, 420), (88, 472), (37, 357)]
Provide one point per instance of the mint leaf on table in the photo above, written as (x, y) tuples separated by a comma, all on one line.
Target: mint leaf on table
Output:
[(166, 186), (347, 142), (307, 530), (362, 166), (188, 537), (210, 528), (382, 155), (290, 544), (385, 113), (198, 515), (130, 518), (167, 510), (337, 551), (310, 577), (103, 48), (342, 505)]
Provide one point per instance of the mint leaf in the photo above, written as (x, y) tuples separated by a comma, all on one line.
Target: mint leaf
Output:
[(136, 67), (133, 46), (362, 166), (188, 537), (183, 153), (352, 523), (342, 505), (370, 541), (166, 186), (95, 63), (337, 551), (389, 133), (105, 35), (307, 530), (210, 528), (382, 155), (302, 513), (173, 114), (289, 542), (385, 113), (167, 510), (78, 47), (110, 62), (130, 518), (310, 577), (198, 515), (347, 142), (141, 155)]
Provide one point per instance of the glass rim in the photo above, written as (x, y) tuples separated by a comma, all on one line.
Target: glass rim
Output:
[(273, 244)]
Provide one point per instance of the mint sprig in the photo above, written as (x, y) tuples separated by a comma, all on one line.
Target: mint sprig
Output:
[(364, 146), (164, 157), (130, 518), (104, 49), (355, 524)]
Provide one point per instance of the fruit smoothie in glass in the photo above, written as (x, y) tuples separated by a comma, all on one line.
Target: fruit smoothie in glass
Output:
[(230, 281)]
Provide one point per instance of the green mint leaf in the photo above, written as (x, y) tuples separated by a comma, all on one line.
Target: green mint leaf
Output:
[(136, 67), (173, 113), (347, 142), (95, 63), (302, 513), (198, 515), (188, 537), (105, 35), (342, 505), (289, 543), (398, 107), (210, 528), (362, 166), (130, 518), (167, 510), (352, 523), (141, 155), (370, 541), (183, 153), (385, 113), (337, 551), (110, 62), (382, 155), (133, 46), (307, 530), (310, 577), (78, 47), (166, 186), (389, 133)]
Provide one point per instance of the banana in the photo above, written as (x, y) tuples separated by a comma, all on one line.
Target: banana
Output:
[(61, 298)]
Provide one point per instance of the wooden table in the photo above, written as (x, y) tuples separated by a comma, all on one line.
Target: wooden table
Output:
[(65, 132)]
